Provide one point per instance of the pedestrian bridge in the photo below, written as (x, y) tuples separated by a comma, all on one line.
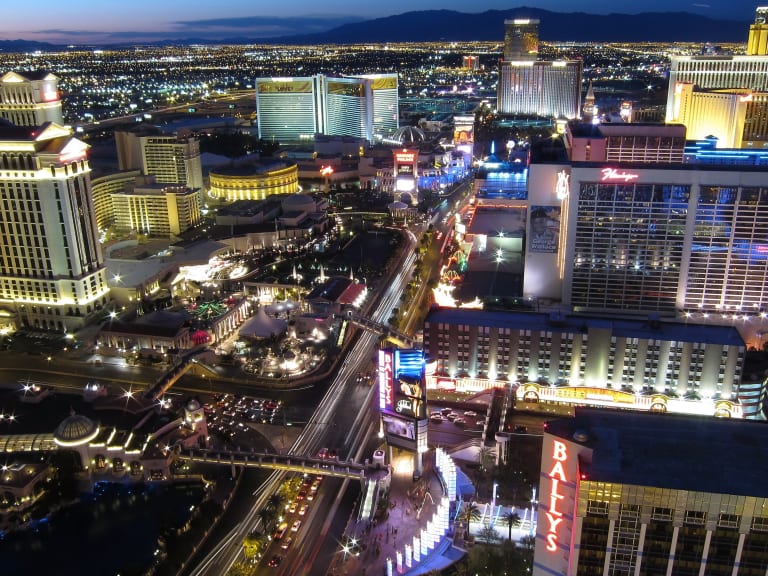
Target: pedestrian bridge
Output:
[(402, 340), (285, 462)]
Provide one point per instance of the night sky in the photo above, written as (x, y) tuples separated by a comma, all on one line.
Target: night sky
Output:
[(97, 21)]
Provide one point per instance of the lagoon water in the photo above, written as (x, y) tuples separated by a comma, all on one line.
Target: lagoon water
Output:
[(112, 531)]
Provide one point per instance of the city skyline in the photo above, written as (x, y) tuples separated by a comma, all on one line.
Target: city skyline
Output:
[(84, 21)]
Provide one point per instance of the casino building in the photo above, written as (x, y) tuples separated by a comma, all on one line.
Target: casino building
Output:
[(561, 361), (724, 96), (295, 109), (628, 493), (651, 226), (255, 181), (531, 86), (30, 98)]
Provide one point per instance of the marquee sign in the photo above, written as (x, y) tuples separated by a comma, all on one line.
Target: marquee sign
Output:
[(405, 157), (386, 391)]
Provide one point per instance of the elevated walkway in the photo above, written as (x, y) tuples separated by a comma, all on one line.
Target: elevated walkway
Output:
[(286, 462), (397, 337)]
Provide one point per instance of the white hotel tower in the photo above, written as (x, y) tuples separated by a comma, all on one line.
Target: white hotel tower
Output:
[(52, 274), (30, 98)]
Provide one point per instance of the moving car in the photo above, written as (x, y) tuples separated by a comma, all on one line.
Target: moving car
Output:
[(275, 561)]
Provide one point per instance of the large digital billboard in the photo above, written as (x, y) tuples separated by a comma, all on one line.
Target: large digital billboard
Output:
[(544, 233), (403, 396)]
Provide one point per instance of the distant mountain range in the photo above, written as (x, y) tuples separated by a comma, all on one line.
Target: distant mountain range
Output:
[(449, 25)]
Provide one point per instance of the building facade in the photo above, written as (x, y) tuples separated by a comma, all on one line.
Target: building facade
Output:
[(158, 211), (52, 273), (170, 159), (103, 188), (30, 98), (295, 109), (645, 494), (717, 72), (540, 88), (713, 113), (530, 86), (253, 182), (757, 43), (644, 364), (521, 39)]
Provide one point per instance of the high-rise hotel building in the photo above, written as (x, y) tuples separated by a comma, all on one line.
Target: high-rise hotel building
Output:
[(169, 158), (725, 93), (295, 109), (531, 86), (567, 360), (52, 274), (30, 98), (637, 494)]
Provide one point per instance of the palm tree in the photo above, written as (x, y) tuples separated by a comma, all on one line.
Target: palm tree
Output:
[(512, 520), (267, 516), (471, 512), (485, 456), (274, 501)]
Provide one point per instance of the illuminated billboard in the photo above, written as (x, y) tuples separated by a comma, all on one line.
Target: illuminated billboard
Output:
[(463, 130), (284, 86), (402, 397), (544, 232)]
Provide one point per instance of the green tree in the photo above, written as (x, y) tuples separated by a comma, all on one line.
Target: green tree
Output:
[(471, 512), (488, 534), (275, 501), (267, 516), (485, 457), (512, 520), (239, 569)]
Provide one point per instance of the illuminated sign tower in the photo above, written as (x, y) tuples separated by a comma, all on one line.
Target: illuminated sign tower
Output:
[(403, 400)]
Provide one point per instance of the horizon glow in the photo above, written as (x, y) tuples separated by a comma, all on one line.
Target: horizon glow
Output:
[(91, 22)]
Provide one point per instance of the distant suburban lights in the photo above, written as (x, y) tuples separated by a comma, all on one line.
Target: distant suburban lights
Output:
[(614, 174), (557, 476)]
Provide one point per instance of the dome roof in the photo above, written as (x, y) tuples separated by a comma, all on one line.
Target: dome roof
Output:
[(193, 405), (74, 430), (409, 135)]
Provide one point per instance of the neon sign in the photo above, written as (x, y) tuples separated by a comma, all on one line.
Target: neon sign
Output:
[(557, 476), (613, 174), (405, 157), (386, 391), (563, 187)]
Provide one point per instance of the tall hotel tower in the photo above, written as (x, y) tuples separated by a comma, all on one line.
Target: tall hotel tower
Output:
[(623, 493), (30, 98), (531, 86), (295, 109), (742, 80), (170, 159), (52, 274)]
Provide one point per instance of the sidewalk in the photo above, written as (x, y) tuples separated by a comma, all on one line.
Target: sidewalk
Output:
[(380, 540)]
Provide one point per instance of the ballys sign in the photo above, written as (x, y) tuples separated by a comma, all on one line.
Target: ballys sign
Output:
[(556, 505)]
